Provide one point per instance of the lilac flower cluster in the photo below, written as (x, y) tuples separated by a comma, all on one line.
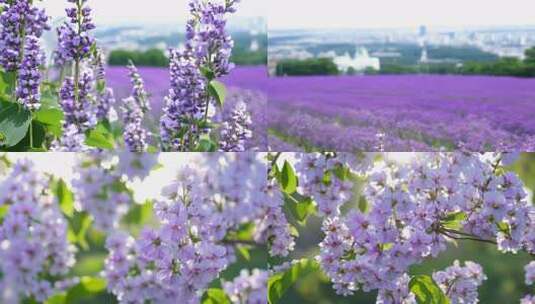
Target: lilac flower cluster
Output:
[(71, 141), (21, 26), (79, 111), (96, 192), (29, 75), (19, 19), (248, 287), (235, 130), (319, 180), (35, 256), (460, 283), (415, 209), (193, 242), (184, 105), (136, 165), (208, 47), (74, 39), (206, 34), (273, 227), (134, 109)]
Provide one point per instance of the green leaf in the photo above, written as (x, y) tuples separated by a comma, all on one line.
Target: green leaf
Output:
[(218, 91), (65, 198), (363, 204), (14, 123), (288, 178), (279, 283), (454, 220), (87, 288), (60, 298), (215, 296), (206, 145), (101, 138), (7, 83), (3, 212), (208, 73), (245, 232), (79, 225), (427, 291), (300, 206), (51, 118), (244, 252)]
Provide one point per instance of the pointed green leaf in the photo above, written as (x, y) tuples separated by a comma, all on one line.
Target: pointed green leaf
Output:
[(288, 178), (218, 91), (427, 291), (215, 296)]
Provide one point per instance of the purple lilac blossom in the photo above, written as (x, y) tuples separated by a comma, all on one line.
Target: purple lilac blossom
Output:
[(18, 20), (74, 39), (36, 256), (93, 187), (29, 75), (408, 207), (248, 287), (188, 103), (193, 243), (134, 109), (460, 283)]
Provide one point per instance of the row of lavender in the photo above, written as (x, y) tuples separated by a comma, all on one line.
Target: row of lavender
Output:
[(77, 112), (403, 113)]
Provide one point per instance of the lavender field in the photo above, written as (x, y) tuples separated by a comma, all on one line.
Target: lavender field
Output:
[(403, 113)]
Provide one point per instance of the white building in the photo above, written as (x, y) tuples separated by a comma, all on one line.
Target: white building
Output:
[(360, 62)]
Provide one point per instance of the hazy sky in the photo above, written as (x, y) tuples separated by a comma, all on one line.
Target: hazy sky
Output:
[(146, 11), (305, 14)]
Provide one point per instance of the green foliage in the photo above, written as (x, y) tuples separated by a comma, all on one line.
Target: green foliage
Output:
[(101, 137), (215, 296), (218, 91), (139, 214), (279, 283), (301, 207), (88, 288), (14, 123), (79, 225), (151, 57), (454, 220), (206, 145), (315, 66), (65, 197), (427, 291), (288, 179), (7, 84)]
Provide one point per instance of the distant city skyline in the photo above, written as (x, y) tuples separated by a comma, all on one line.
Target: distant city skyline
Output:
[(117, 12), (305, 14)]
